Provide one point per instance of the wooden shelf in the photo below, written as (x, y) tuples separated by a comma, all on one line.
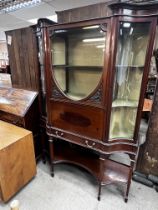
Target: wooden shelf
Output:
[(76, 155), (87, 159), (115, 172)]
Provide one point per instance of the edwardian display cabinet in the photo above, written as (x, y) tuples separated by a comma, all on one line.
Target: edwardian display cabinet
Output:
[(96, 76)]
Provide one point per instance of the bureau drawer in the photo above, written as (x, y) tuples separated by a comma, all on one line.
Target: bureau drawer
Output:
[(11, 119), (76, 139)]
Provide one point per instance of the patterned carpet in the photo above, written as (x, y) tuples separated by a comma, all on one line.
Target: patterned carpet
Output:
[(74, 189)]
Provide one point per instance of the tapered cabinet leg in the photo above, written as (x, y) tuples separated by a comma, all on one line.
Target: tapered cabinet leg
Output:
[(99, 192), (42, 132), (126, 193), (51, 150), (101, 174), (127, 190), (128, 185)]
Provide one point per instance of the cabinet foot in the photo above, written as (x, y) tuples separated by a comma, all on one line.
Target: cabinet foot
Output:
[(125, 199), (52, 170), (44, 161)]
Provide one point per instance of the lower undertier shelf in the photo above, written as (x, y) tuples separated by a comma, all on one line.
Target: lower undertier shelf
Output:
[(105, 171)]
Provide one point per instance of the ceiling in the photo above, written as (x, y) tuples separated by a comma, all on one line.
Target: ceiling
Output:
[(19, 18)]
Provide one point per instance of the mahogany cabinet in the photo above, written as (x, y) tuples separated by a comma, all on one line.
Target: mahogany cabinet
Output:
[(96, 77)]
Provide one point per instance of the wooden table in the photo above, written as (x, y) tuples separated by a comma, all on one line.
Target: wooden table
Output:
[(17, 159)]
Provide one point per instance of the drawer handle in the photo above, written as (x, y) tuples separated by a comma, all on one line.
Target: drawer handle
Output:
[(56, 132), (90, 146)]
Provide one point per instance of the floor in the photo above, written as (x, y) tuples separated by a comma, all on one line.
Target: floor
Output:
[(75, 189)]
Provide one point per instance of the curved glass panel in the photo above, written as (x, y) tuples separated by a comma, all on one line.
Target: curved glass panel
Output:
[(131, 52), (77, 57)]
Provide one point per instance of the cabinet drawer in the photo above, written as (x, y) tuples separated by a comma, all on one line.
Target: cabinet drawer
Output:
[(11, 119), (76, 139)]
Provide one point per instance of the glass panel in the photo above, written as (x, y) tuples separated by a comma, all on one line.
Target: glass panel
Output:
[(42, 77), (130, 61), (77, 57)]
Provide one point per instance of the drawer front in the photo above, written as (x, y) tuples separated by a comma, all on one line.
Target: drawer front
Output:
[(86, 121), (11, 119), (75, 138)]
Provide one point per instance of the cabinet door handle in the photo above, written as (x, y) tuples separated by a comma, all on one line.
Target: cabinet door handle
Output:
[(90, 146)]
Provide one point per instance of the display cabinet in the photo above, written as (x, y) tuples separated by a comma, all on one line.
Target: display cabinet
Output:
[(96, 77)]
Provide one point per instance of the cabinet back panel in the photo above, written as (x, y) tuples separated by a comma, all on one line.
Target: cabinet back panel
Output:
[(86, 121)]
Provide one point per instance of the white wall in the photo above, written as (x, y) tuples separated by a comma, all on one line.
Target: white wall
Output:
[(2, 36)]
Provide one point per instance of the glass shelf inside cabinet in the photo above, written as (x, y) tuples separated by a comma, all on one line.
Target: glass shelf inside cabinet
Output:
[(130, 61), (77, 59)]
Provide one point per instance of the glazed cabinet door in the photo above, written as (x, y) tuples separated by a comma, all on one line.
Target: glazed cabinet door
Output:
[(129, 77), (78, 58), (76, 78)]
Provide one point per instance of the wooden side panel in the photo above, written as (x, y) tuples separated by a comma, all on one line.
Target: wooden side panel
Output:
[(23, 58), (17, 166), (85, 13)]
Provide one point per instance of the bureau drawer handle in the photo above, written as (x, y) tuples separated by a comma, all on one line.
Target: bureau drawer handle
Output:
[(59, 134), (90, 146)]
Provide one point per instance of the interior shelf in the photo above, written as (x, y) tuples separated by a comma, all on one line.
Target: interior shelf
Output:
[(130, 66), (124, 103), (77, 66), (121, 135)]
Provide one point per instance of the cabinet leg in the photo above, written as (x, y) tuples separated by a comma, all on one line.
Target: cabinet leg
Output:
[(51, 150), (42, 132), (128, 186), (99, 192), (127, 191)]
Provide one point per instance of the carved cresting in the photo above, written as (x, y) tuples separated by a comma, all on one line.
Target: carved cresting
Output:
[(95, 98), (56, 93)]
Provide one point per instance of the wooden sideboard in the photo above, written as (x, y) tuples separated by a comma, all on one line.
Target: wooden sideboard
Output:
[(21, 107)]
